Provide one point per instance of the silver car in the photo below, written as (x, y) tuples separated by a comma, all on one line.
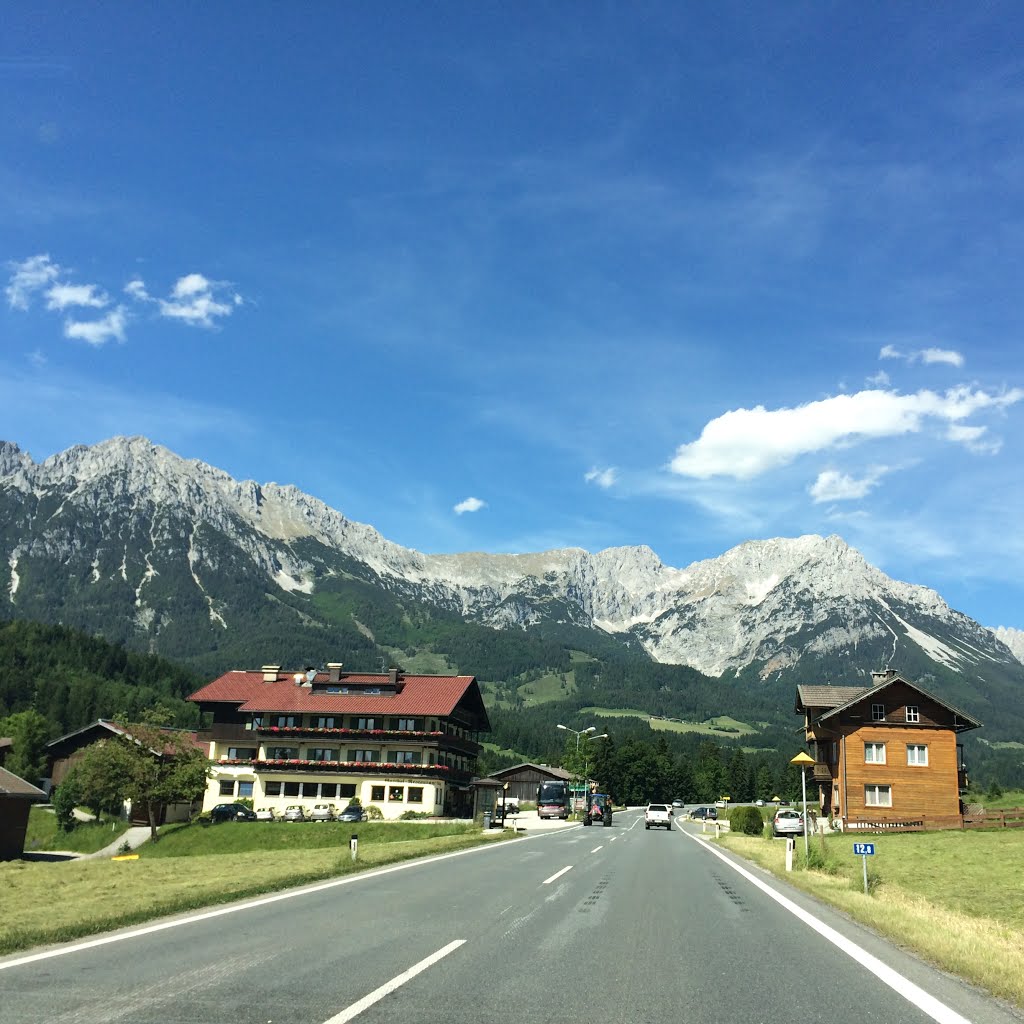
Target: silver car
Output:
[(787, 822), (322, 812), (294, 812)]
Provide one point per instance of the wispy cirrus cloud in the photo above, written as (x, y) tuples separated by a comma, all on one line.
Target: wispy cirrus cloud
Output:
[(194, 299), (745, 443), (833, 485), (604, 478), (924, 355), (28, 277), (469, 505)]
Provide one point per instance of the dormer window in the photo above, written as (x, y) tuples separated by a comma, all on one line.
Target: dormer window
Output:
[(877, 712), (913, 713)]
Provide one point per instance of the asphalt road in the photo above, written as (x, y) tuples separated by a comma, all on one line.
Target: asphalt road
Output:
[(588, 924)]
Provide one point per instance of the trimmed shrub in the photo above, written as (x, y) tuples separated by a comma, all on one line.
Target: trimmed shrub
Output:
[(374, 813), (747, 820)]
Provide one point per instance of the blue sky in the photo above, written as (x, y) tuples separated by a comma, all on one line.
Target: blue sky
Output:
[(512, 277)]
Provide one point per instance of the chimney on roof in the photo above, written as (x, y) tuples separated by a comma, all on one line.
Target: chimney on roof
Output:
[(877, 678), (334, 671), (393, 676), (270, 673)]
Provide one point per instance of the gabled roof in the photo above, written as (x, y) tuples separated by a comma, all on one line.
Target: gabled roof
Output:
[(105, 725), (848, 696), (15, 786), (547, 769), (419, 695), (826, 696)]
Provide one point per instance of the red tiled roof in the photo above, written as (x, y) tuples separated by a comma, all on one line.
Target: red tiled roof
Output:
[(420, 695)]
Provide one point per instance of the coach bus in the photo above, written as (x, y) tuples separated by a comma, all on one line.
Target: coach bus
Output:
[(553, 800)]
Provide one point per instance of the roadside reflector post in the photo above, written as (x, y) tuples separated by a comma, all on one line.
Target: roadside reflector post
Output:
[(353, 845), (790, 846)]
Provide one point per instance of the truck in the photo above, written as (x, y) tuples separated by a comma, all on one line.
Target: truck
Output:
[(658, 816)]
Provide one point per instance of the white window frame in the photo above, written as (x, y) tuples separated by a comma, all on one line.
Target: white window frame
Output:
[(913, 713), (874, 748), (920, 748), (874, 793), (877, 712)]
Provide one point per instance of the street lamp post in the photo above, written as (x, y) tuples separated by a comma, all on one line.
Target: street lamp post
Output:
[(578, 734)]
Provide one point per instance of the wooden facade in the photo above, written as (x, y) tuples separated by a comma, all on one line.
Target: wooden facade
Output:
[(884, 753), (523, 779)]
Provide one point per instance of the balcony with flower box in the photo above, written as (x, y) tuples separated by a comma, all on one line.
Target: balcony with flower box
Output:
[(305, 766), (433, 738)]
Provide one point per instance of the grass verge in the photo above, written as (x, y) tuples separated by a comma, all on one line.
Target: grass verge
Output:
[(953, 898), (57, 902), (86, 837)]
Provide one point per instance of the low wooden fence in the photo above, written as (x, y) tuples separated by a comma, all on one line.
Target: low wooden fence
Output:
[(1011, 818)]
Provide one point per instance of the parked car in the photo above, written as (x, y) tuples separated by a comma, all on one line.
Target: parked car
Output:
[(787, 822), (232, 812), (266, 814), (352, 813), (295, 812), (323, 812), (658, 816), (704, 814), (599, 808)]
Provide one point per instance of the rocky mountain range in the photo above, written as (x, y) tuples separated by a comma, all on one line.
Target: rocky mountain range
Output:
[(175, 557)]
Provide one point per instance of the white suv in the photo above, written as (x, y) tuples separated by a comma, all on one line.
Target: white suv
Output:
[(658, 816)]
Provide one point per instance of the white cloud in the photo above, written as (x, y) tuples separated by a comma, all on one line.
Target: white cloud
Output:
[(98, 332), (29, 276), (832, 485), (469, 505), (744, 443), (194, 301), (190, 284), (879, 380), (941, 355), (925, 355), (136, 288), (60, 296), (602, 477), (971, 438)]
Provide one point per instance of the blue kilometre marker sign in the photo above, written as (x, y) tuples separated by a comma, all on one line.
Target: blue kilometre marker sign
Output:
[(864, 849)]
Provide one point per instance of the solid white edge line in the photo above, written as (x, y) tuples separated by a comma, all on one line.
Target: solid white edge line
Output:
[(261, 901), (914, 994), (389, 986), (557, 874)]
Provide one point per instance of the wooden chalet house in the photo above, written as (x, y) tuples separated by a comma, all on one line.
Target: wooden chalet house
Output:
[(886, 752), (397, 742)]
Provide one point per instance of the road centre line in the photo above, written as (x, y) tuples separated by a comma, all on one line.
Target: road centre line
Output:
[(914, 994), (596, 848), (557, 874), (396, 982), (261, 901)]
